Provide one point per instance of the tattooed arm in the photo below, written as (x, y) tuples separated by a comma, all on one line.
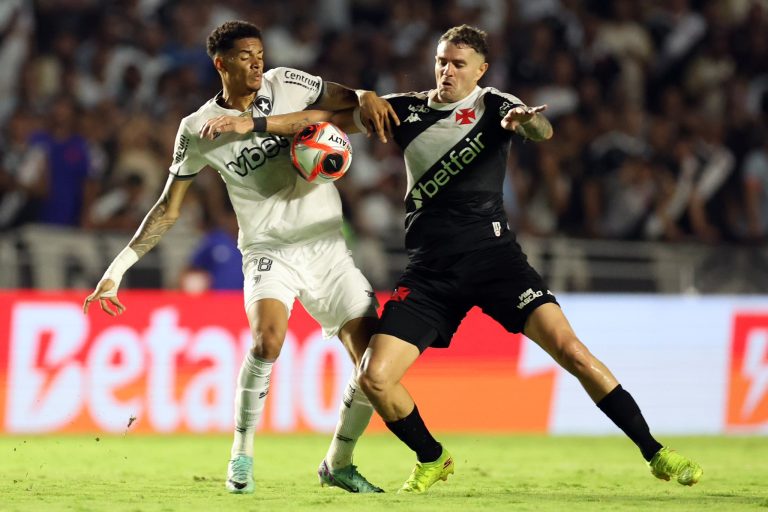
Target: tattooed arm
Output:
[(337, 97), (528, 122), (161, 216), (286, 125), (375, 113), (159, 220), (538, 128)]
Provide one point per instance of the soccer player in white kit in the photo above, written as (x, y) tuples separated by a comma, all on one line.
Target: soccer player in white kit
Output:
[(289, 236)]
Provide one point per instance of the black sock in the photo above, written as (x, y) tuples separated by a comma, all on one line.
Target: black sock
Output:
[(412, 431), (625, 413)]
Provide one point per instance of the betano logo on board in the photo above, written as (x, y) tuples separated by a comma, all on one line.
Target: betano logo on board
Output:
[(172, 360)]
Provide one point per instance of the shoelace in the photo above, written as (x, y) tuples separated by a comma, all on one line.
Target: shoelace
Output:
[(675, 463), (417, 477), (240, 470), (354, 474)]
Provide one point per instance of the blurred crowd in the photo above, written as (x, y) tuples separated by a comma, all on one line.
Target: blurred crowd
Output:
[(660, 109)]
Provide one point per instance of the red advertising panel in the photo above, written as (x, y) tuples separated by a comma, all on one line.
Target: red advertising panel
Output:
[(171, 361), (748, 383)]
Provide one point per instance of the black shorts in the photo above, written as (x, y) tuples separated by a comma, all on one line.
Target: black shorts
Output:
[(432, 297)]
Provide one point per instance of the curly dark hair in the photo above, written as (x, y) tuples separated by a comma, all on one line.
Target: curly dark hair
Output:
[(466, 35), (224, 36)]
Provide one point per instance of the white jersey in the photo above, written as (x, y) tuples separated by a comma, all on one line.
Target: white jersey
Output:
[(274, 206)]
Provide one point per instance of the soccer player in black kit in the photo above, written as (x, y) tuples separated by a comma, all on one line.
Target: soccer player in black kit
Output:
[(462, 254)]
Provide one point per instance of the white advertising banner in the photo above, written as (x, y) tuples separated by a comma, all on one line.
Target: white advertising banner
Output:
[(680, 357), (695, 365)]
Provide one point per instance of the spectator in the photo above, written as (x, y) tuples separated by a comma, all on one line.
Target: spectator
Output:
[(120, 209), (604, 68), (21, 173), (70, 187), (216, 263), (756, 191)]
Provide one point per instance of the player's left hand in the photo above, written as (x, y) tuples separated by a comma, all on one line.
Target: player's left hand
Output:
[(224, 124), (520, 115), (377, 113), (106, 294)]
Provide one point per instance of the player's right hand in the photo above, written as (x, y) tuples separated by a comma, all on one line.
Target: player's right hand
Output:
[(215, 126), (105, 295), (377, 113)]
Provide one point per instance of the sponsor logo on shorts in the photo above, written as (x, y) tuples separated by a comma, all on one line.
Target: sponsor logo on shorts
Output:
[(529, 296), (400, 293), (497, 228)]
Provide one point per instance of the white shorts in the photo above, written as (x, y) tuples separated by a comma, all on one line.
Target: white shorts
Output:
[(320, 274)]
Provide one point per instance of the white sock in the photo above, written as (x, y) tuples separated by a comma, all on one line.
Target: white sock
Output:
[(252, 388), (354, 414)]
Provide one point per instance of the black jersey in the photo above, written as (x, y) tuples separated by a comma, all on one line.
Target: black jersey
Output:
[(455, 156)]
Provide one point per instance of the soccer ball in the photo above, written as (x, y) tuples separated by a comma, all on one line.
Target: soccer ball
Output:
[(321, 153)]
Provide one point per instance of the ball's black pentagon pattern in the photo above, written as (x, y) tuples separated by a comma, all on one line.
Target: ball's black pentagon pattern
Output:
[(333, 163), (308, 132)]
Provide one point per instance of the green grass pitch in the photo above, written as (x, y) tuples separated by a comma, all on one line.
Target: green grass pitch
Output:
[(493, 473)]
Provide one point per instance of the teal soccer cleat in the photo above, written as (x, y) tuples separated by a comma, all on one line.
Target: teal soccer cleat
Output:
[(347, 478), (240, 475)]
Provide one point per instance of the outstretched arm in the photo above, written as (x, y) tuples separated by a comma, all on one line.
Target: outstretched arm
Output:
[(528, 122), (286, 125), (159, 220), (375, 112)]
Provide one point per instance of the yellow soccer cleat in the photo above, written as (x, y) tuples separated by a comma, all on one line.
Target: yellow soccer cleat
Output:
[(668, 464), (425, 474)]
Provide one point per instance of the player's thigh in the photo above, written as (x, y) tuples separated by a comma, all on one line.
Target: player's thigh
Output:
[(426, 308), (270, 287), (335, 291), (386, 360), (507, 288), (356, 334)]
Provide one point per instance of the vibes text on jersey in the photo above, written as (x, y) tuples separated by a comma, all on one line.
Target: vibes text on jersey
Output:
[(451, 166), (251, 158)]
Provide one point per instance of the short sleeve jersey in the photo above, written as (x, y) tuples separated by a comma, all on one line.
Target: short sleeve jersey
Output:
[(455, 157), (274, 206)]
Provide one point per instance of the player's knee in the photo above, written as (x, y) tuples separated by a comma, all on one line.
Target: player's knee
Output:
[(373, 381), (267, 342), (574, 356)]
